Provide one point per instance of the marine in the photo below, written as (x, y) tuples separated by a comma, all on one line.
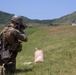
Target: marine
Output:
[(11, 45)]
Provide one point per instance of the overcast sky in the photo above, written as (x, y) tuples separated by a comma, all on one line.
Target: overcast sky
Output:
[(39, 9)]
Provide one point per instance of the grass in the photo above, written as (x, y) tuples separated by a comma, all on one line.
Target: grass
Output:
[(59, 46)]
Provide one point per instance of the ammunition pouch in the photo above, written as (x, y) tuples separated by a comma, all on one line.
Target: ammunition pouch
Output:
[(5, 54), (17, 47)]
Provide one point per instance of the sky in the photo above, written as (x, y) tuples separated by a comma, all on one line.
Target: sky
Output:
[(39, 9)]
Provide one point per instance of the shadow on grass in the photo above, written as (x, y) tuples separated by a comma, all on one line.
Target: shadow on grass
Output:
[(23, 70)]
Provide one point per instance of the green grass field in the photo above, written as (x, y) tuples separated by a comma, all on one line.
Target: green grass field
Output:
[(59, 46)]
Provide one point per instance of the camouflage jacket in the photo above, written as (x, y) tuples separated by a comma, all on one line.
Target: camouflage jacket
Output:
[(12, 37)]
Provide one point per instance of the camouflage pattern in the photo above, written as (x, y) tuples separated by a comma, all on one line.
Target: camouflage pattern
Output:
[(17, 19), (12, 37)]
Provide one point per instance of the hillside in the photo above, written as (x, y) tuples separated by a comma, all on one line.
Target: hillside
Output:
[(5, 19), (59, 46), (67, 19)]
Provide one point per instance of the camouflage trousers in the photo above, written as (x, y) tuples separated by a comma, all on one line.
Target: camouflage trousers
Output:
[(10, 66)]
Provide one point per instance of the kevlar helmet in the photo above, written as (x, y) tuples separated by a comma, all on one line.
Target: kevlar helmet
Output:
[(17, 19)]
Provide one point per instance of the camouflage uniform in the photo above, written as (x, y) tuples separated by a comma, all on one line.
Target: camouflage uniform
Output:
[(12, 38)]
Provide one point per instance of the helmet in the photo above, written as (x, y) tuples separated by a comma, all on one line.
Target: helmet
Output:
[(17, 19)]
